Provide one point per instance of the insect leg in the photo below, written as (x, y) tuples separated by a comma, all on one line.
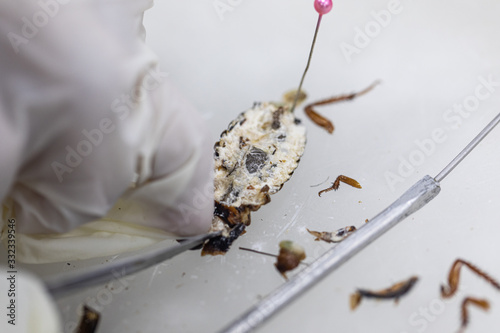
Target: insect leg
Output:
[(321, 121), (336, 184), (345, 180), (481, 303), (454, 278)]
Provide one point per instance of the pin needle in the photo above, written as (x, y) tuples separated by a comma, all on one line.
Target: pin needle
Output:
[(322, 7), (468, 149)]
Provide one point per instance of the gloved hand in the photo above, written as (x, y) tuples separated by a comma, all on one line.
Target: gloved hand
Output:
[(28, 306), (87, 118)]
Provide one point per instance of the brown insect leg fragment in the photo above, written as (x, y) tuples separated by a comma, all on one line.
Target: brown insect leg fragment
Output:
[(317, 234), (336, 184), (394, 292), (481, 303), (454, 278), (324, 122), (89, 321), (319, 119), (355, 300), (345, 180)]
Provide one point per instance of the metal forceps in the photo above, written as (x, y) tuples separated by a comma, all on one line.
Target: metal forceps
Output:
[(62, 284)]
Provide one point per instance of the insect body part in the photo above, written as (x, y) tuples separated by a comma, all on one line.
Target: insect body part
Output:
[(324, 122), (480, 303), (336, 184), (333, 237), (290, 256), (394, 292), (289, 97), (319, 119), (254, 157), (220, 245), (89, 321), (454, 278)]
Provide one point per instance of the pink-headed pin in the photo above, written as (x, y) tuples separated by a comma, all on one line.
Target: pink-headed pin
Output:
[(322, 7)]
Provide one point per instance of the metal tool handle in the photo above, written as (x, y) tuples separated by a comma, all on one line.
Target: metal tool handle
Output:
[(412, 200), (60, 285)]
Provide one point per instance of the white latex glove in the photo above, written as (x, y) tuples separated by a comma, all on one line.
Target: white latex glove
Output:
[(86, 118), (28, 306)]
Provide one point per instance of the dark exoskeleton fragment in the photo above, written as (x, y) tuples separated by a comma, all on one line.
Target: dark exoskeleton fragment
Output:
[(89, 321)]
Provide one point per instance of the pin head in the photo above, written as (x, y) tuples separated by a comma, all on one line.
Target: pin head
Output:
[(323, 6)]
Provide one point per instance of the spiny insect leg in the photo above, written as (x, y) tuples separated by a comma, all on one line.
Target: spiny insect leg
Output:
[(323, 122), (336, 184)]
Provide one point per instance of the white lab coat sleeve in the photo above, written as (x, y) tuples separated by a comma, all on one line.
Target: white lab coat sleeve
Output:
[(88, 117)]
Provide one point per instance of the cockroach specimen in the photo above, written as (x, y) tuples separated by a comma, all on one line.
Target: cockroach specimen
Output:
[(89, 321), (454, 278), (254, 157), (333, 237), (394, 292), (336, 184), (481, 303), (324, 122)]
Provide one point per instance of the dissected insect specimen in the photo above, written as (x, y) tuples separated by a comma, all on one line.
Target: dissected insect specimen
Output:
[(254, 157), (333, 237), (89, 321), (454, 278), (324, 122), (290, 256), (394, 292), (336, 184), (480, 303)]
